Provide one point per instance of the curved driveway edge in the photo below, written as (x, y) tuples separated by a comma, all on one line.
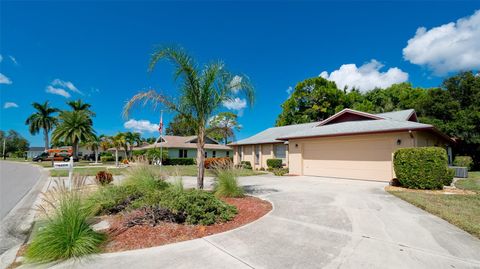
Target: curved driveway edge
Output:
[(316, 223)]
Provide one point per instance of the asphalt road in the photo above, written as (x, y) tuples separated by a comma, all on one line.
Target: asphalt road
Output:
[(16, 179)]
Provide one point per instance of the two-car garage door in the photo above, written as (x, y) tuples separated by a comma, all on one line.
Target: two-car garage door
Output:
[(357, 159)]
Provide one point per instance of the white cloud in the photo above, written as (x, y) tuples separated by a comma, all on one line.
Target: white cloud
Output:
[(141, 126), (1, 58), (57, 91), (65, 84), (290, 89), (13, 59), (366, 77), (450, 47), (4, 79), (235, 104), (10, 105)]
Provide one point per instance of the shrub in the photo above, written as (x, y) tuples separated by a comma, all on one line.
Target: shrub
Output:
[(156, 153), (107, 159), (246, 165), (180, 161), (226, 184), (111, 199), (274, 163), (139, 152), (422, 168), (154, 215), (463, 161), (103, 178), (66, 234), (280, 171), (199, 206), (212, 162)]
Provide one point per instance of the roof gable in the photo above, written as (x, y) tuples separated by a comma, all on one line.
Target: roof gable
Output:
[(349, 115)]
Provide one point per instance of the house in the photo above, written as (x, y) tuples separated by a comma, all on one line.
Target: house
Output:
[(186, 147), (34, 151), (350, 144)]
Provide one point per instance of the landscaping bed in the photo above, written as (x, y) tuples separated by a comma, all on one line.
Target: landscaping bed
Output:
[(143, 236)]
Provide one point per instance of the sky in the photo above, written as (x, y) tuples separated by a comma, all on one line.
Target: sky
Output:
[(98, 51)]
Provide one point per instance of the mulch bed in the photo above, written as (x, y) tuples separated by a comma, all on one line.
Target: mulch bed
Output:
[(144, 236)]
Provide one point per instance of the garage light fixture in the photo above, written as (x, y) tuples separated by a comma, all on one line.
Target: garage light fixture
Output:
[(399, 142)]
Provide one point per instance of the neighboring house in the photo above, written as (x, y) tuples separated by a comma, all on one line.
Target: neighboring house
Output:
[(186, 147), (349, 144), (34, 151)]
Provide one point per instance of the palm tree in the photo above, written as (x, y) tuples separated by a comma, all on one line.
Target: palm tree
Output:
[(202, 92), (42, 119), (118, 142), (132, 139), (105, 142), (79, 105), (73, 128), (94, 144)]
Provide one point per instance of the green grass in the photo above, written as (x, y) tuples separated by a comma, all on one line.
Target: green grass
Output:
[(226, 184), (471, 183), (65, 234), (460, 210), (191, 170), (90, 171)]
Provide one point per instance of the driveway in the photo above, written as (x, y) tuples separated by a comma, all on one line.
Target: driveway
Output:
[(317, 223)]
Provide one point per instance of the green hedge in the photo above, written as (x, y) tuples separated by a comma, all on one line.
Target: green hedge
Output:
[(274, 163), (107, 158), (179, 161), (422, 168), (463, 161)]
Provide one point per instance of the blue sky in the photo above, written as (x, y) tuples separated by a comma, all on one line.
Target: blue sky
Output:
[(98, 51)]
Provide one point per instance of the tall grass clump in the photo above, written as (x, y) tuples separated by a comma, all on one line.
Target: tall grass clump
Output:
[(145, 178), (226, 184), (65, 233)]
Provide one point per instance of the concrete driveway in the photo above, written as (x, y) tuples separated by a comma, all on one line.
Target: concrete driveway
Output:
[(317, 223)]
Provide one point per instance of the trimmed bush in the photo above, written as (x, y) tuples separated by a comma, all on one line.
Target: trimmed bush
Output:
[(226, 184), (274, 163), (66, 234), (463, 161), (179, 161), (280, 171), (104, 178), (221, 161), (107, 159), (422, 168), (246, 165)]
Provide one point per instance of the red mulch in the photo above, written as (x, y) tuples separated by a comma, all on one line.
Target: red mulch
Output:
[(144, 236)]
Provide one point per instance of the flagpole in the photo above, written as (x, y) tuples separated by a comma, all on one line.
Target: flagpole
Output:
[(161, 131)]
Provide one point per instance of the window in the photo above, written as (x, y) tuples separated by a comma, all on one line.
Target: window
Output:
[(206, 154), (228, 153), (257, 154), (182, 153), (280, 151), (214, 154)]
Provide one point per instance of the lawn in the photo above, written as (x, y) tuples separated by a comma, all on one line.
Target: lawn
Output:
[(459, 209), (191, 170), (471, 183), (90, 171)]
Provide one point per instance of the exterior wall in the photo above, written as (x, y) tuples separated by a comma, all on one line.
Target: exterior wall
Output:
[(266, 152), (358, 144), (248, 154), (425, 139), (192, 153)]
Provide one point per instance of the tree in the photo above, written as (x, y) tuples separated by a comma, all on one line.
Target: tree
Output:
[(313, 99), (42, 119), (94, 144), (105, 142), (132, 139), (14, 143), (222, 126), (79, 105), (181, 126), (73, 128), (202, 92)]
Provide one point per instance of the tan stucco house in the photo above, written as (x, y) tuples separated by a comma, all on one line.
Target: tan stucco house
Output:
[(350, 144)]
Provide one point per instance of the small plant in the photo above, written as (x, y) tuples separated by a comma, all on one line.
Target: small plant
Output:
[(274, 163), (422, 168), (280, 171), (463, 161), (66, 232), (226, 184), (103, 178), (246, 165)]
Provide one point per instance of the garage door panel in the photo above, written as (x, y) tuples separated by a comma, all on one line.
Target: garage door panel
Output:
[(361, 159)]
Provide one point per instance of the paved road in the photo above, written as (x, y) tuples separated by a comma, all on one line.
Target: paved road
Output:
[(316, 223), (16, 179)]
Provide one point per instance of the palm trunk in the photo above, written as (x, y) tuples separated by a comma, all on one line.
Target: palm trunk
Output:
[(200, 156), (74, 148), (45, 137)]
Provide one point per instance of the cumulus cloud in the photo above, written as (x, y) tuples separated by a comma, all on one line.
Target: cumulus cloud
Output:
[(235, 104), (10, 105), (65, 84), (450, 47), (366, 77), (141, 126), (57, 91), (4, 79)]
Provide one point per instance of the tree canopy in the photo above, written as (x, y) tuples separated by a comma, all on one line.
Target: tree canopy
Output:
[(181, 125)]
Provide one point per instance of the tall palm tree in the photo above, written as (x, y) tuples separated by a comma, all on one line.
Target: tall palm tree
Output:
[(133, 138), (42, 119), (73, 128), (118, 142), (79, 105), (202, 92), (94, 144)]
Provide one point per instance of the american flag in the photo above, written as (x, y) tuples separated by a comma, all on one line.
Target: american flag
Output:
[(160, 125)]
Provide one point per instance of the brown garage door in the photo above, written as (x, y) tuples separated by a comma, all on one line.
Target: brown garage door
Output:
[(356, 159)]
